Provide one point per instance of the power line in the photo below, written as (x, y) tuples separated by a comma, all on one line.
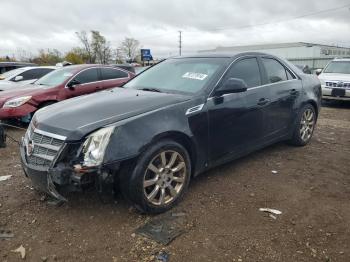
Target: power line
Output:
[(285, 20), (262, 24)]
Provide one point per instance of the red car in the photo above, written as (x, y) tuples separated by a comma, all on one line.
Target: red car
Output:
[(76, 80)]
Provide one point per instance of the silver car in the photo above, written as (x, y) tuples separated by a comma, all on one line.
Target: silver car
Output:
[(22, 76), (335, 80)]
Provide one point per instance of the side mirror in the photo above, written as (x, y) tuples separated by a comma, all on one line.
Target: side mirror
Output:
[(318, 71), (232, 85), (73, 84), (18, 78)]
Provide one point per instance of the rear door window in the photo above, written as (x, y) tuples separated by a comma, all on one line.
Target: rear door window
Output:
[(111, 73), (88, 76), (275, 71), (246, 69)]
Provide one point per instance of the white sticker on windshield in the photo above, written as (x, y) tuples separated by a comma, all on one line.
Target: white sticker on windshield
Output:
[(197, 76), (67, 74)]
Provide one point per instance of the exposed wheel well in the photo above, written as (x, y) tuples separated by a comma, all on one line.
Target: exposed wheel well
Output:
[(314, 104)]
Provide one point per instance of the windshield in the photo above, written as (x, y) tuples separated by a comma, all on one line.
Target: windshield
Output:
[(11, 73), (184, 75), (340, 67), (56, 77)]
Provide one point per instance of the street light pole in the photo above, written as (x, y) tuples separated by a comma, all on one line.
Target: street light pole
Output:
[(180, 42)]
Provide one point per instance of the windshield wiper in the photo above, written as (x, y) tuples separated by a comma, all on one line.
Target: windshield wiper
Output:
[(150, 89)]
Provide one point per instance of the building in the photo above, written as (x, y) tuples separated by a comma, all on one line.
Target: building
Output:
[(299, 53)]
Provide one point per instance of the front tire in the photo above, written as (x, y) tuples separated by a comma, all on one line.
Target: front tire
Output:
[(305, 126), (159, 178)]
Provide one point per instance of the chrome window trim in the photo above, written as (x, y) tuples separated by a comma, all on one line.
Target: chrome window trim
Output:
[(284, 65), (255, 87), (65, 86), (74, 76), (212, 91), (119, 69), (270, 84)]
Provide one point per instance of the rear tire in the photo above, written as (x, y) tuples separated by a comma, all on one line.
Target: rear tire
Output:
[(305, 126), (158, 179)]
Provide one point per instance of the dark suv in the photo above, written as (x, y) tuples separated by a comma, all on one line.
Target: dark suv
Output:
[(173, 121), (61, 84)]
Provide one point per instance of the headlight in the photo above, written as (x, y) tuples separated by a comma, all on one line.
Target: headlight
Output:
[(16, 102), (323, 83), (95, 145)]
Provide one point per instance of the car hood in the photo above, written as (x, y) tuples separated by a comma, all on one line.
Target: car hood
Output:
[(14, 90), (335, 77), (7, 85), (75, 118)]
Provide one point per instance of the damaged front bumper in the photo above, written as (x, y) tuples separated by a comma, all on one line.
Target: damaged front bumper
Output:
[(63, 178), (40, 177)]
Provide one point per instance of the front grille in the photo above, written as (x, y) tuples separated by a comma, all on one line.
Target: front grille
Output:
[(43, 147), (338, 84)]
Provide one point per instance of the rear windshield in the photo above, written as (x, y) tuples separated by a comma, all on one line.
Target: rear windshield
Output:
[(339, 67)]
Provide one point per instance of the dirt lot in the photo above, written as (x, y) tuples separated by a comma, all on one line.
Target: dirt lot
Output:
[(311, 188)]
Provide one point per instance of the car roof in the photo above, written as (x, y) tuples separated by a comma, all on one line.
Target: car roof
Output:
[(36, 67), (21, 64), (222, 55), (342, 59), (83, 66)]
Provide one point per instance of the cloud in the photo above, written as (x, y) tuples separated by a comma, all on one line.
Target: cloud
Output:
[(34, 24)]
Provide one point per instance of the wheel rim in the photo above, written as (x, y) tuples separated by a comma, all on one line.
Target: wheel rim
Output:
[(164, 177), (307, 125)]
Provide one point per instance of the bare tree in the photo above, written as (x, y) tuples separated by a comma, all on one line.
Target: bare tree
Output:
[(84, 39), (24, 55), (130, 48), (97, 48), (100, 47)]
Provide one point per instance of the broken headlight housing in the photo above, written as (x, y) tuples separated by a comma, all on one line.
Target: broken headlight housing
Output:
[(95, 145)]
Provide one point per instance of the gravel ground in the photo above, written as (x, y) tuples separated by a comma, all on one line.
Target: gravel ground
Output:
[(223, 221)]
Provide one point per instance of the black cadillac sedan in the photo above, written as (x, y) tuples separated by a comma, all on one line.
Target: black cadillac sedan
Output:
[(169, 124)]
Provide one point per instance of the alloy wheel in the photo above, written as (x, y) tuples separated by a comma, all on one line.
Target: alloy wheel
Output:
[(164, 177), (307, 124)]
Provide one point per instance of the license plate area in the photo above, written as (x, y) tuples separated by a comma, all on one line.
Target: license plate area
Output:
[(338, 92)]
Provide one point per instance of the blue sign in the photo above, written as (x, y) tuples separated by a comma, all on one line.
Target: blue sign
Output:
[(146, 55)]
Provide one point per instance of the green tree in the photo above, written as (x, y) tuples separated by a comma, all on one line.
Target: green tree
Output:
[(76, 56), (48, 57)]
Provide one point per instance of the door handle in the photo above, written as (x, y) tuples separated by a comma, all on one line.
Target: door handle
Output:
[(263, 101), (293, 92)]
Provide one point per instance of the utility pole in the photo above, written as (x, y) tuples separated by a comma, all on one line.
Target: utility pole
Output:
[(180, 43)]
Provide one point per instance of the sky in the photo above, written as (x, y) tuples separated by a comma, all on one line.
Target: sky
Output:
[(30, 25)]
